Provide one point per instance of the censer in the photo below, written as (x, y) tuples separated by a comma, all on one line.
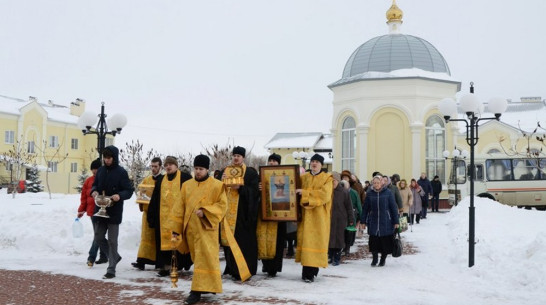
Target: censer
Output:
[(174, 263)]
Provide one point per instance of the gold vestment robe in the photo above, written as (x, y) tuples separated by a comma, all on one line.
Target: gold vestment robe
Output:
[(170, 194), (200, 235), (266, 232), (314, 227), (146, 249)]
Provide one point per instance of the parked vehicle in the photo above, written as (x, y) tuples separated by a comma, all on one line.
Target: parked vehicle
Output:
[(516, 181)]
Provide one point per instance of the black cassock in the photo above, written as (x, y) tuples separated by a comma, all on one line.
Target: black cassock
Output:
[(245, 225), (164, 257)]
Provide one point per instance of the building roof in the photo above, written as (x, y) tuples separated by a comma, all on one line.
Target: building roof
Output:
[(55, 112), (294, 140), (394, 52)]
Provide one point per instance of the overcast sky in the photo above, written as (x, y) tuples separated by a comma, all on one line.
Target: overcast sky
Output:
[(194, 73)]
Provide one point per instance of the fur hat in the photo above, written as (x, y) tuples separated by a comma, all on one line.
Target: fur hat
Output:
[(336, 176), (346, 173), (201, 161), (95, 164), (238, 150), (274, 157), (170, 160), (319, 158)]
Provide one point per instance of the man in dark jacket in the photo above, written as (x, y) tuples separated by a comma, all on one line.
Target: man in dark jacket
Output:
[(436, 190), (424, 183), (111, 180)]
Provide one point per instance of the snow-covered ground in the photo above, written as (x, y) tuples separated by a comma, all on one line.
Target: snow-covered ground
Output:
[(36, 234)]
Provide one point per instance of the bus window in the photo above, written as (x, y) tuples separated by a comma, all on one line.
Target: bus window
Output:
[(525, 169), (537, 168), (498, 170)]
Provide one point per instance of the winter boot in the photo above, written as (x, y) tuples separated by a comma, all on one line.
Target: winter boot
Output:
[(193, 298), (337, 258), (374, 259), (382, 261)]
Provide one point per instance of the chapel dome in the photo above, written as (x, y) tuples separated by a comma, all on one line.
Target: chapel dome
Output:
[(392, 52)]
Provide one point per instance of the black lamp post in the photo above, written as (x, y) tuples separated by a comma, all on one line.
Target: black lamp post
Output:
[(473, 109), (88, 119)]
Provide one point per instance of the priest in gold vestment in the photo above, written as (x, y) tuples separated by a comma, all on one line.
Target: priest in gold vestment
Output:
[(146, 249), (241, 217), (271, 236), (314, 227), (167, 191), (196, 217)]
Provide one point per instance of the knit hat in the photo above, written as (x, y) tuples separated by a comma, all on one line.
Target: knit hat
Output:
[(274, 157), (170, 160), (95, 164), (238, 150), (346, 173), (336, 176), (319, 158), (201, 161)]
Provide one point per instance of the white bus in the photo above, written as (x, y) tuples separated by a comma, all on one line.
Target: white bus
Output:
[(517, 181)]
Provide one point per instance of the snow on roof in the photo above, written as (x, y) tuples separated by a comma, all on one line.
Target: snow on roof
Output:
[(325, 143), (524, 115), (57, 113), (294, 140), (401, 73)]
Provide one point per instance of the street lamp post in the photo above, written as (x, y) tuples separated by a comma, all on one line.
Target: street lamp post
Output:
[(456, 155), (88, 119), (473, 109), (301, 155)]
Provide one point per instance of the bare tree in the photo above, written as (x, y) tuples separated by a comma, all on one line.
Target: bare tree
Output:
[(49, 160), (221, 157), (527, 137), (185, 162), (136, 161), (16, 159)]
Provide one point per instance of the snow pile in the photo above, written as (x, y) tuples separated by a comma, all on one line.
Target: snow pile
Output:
[(36, 234)]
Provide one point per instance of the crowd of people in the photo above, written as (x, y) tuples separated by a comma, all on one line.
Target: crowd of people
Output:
[(197, 215)]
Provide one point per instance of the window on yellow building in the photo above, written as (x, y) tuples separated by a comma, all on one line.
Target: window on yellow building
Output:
[(9, 137), (435, 145), (30, 147), (52, 166), (348, 144), (53, 141), (74, 144), (73, 167)]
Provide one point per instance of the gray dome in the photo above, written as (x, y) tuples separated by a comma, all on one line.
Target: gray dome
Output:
[(393, 52)]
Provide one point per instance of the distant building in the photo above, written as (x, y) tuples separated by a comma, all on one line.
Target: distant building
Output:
[(386, 114), (43, 128), (287, 144)]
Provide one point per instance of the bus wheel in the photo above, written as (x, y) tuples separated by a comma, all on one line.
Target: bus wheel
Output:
[(487, 195), (541, 207)]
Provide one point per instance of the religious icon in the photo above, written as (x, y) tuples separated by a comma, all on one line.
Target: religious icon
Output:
[(279, 200)]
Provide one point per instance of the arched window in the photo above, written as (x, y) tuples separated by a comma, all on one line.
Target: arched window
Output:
[(348, 144), (435, 145), (493, 151)]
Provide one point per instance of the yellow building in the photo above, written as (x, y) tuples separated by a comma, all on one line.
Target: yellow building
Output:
[(386, 117), (44, 129)]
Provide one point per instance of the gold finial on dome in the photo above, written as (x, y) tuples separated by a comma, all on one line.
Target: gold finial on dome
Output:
[(394, 13)]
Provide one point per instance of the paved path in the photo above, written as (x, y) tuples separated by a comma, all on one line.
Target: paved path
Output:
[(40, 288)]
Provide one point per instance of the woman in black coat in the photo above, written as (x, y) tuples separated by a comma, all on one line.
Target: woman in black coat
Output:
[(380, 215), (342, 216)]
